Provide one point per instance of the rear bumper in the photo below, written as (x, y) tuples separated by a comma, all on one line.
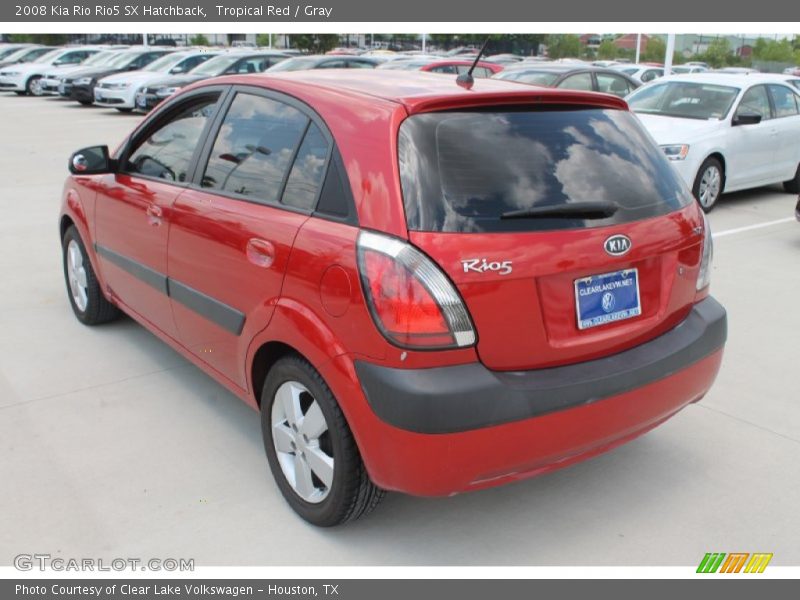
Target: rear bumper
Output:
[(451, 429), (464, 397)]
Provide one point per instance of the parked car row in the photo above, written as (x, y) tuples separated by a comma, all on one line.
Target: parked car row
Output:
[(722, 131)]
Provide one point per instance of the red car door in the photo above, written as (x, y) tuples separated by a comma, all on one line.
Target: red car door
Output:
[(232, 235), (133, 207)]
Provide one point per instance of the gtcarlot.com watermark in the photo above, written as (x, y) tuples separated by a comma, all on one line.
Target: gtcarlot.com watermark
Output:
[(44, 562)]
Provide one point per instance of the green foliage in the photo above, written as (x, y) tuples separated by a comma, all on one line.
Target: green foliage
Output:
[(607, 50), (48, 39), (316, 43), (718, 54), (563, 46), (655, 51), (199, 40), (262, 39), (773, 50)]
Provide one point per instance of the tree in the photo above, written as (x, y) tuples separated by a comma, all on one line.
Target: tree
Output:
[(316, 43), (199, 40), (773, 50), (655, 51), (563, 46), (607, 50), (718, 54), (48, 39), (262, 39)]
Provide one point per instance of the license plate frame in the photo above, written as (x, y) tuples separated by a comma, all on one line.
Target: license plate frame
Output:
[(607, 298)]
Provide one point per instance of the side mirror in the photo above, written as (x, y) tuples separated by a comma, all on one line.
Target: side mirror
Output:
[(746, 118), (91, 161)]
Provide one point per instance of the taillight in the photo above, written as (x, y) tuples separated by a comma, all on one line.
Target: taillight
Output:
[(704, 274), (412, 302)]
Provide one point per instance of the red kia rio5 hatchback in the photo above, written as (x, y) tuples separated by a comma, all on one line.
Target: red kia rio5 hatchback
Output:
[(422, 287)]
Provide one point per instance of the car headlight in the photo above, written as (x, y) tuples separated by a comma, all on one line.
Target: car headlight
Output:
[(676, 151), (84, 81), (166, 91)]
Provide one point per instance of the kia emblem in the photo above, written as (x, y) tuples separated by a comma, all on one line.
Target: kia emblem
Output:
[(617, 245)]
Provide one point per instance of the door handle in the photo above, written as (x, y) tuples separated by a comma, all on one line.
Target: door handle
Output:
[(260, 252), (154, 214)]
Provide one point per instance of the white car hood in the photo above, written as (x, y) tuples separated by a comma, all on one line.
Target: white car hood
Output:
[(134, 77), (674, 130), (25, 68)]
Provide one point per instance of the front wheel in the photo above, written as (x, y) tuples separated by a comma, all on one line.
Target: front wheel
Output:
[(88, 302), (793, 185), (125, 110), (707, 186), (34, 86), (310, 448)]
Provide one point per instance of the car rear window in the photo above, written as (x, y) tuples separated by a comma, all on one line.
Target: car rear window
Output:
[(462, 170)]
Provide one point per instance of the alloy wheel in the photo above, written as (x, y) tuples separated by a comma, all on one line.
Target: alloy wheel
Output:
[(710, 184), (302, 442), (76, 275)]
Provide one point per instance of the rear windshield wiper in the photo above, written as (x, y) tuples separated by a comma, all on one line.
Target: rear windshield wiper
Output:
[(571, 210)]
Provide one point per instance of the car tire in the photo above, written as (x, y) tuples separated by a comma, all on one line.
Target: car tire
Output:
[(32, 87), (310, 449), (86, 102), (793, 185), (125, 110), (709, 183), (88, 302)]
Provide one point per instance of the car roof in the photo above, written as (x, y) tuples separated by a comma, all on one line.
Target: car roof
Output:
[(731, 79), (417, 91)]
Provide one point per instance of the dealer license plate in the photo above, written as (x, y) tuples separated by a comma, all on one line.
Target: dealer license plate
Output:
[(606, 298)]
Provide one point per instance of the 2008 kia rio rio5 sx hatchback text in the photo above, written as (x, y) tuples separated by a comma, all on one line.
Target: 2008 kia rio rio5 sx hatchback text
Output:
[(423, 287)]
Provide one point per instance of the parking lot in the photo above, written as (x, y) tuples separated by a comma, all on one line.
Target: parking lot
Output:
[(114, 445)]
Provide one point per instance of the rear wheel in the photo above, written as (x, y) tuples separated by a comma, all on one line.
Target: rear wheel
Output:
[(88, 302), (793, 185), (310, 448), (707, 186), (86, 102)]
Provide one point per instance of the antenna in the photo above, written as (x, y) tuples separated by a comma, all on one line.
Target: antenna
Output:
[(466, 80)]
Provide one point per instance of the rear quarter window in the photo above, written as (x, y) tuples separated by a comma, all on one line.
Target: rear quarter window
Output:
[(461, 171)]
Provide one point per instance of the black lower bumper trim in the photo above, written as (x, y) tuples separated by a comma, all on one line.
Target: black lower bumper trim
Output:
[(465, 397)]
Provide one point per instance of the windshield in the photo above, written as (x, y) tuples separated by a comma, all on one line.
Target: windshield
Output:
[(26, 54), (49, 55), (684, 99), (101, 58), (216, 65), (8, 51), (295, 64), (165, 62), (461, 170), (532, 77)]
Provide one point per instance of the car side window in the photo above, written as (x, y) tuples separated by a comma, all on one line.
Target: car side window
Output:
[(612, 84), (190, 63), (448, 69), (579, 81), (648, 75), (785, 101), (333, 64), (755, 100), (247, 65), (166, 152), (307, 171), (359, 64), (254, 147)]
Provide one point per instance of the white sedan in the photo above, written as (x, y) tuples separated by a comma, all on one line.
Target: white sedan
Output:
[(119, 91), (641, 73), (725, 132), (24, 78)]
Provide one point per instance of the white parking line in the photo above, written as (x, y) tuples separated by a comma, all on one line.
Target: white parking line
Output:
[(749, 227)]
